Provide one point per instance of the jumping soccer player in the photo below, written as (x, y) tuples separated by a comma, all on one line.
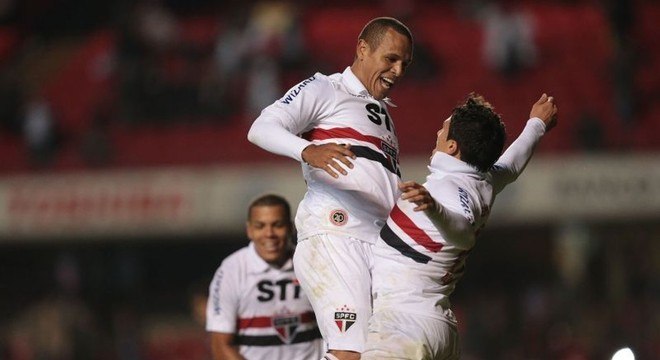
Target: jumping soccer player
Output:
[(420, 256), (340, 128)]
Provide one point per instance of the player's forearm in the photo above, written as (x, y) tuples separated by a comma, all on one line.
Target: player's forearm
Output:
[(454, 227), (514, 160), (275, 138)]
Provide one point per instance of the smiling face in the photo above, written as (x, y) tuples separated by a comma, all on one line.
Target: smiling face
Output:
[(381, 68), (269, 229)]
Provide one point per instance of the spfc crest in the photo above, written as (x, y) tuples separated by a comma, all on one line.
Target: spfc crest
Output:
[(286, 326), (345, 318)]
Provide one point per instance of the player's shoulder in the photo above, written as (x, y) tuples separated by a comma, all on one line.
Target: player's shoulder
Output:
[(317, 80), (238, 258), (317, 85)]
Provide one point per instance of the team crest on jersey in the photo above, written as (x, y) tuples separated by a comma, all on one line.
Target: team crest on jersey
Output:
[(286, 325), (338, 217), (391, 153), (345, 318)]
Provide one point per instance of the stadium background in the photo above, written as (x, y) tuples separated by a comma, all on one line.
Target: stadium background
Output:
[(125, 171)]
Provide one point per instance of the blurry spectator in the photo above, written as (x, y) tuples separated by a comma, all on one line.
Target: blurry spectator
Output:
[(256, 50), (621, 14), (426, 66), (198, 295), (590, 133), (275, 37), (156, 70), (95, 148), (509, 39), (10, 99), (59, 326), (39, 129), (222, 86)]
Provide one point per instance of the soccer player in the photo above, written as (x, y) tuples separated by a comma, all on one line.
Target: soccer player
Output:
[(420, 255), (256, 308), (340, 128)]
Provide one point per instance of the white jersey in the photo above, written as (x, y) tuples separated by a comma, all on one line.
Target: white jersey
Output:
[(336, 109), (264, 307), (419, 256)]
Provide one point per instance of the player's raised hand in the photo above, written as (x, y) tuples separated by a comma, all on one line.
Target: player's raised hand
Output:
[(546, 110), (329, 157), (416, 193)]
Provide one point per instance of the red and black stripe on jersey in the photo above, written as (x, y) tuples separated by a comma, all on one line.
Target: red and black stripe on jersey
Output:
[(388, 161), (413, 231), (274, 340)]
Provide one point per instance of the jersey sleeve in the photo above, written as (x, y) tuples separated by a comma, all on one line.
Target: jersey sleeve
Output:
[(454, 216), (222, 305), (514, 160), (277, 128)]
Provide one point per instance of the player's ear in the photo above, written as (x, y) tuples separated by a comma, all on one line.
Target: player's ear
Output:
[(452, 148), (361, 49)]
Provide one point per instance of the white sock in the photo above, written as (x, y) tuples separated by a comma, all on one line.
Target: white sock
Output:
[(329, 356)]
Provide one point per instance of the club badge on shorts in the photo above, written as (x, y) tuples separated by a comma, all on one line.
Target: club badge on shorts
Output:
[(345, 318), (338, 217)]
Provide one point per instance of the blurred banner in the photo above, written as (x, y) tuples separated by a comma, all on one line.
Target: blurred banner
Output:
[(148, 203)]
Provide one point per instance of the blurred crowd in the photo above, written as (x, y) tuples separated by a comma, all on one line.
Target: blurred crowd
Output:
[(71, 71)]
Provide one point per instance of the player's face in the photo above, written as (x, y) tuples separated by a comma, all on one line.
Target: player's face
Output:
[(269, 229), (381, 68), (441, 144)]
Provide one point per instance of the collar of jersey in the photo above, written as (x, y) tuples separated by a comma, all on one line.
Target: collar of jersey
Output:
[(259, 265), (443, 163), (355, 86)]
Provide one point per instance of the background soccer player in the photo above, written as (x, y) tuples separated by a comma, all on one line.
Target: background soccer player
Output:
[(256, 309)]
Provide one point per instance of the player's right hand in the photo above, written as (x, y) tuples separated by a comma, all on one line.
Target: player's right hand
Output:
[(546, 110), (418, 194), (329, 157)]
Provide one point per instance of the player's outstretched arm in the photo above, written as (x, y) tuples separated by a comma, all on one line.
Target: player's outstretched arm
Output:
[(546, 110), (514, 160), (329, 157)]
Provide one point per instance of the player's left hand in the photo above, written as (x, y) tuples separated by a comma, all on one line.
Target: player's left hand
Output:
[(416, 193)]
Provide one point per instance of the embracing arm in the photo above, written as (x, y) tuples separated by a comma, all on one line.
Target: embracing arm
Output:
[(276, 129), (454, 226), (270, 133)]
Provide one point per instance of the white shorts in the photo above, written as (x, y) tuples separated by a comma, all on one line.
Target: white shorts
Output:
[(335, 273), (401, 335)]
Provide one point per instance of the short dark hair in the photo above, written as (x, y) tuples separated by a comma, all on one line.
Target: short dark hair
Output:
[(270, 200), (375, 30), (479, 132)]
